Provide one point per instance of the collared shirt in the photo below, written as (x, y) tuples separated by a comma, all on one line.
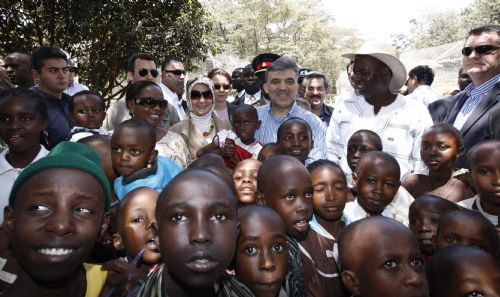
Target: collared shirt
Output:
[(252, 99), (474, 203), (173, 99), (400, 125), (269, 128), (59, 121), (475, 95), (326, 115), (8, 175), (75, 87), (424, 94), (355, 212)]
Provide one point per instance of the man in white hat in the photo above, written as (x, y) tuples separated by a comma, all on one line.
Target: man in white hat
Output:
[(377, 77)]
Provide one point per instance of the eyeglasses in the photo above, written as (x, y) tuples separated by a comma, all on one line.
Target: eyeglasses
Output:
[(480, 50), (176, 71), (219, 86), (143, 72), (150, 102), (196, 95)]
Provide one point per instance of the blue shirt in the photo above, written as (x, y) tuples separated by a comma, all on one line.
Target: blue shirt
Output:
[(269, 128), (60, 124), (474, 97)]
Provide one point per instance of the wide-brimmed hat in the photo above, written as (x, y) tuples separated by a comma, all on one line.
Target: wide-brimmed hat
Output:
[(389, 56)]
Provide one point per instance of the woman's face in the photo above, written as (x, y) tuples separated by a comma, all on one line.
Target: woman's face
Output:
[(221, 82), (148, 111), (201, 99)]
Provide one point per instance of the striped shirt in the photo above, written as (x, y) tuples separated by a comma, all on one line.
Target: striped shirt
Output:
[(474, 97), (269, 128), (400, 125)]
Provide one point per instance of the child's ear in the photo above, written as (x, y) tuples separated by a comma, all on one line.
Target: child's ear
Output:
[(130, 76), (258, 124), (152, 157), (117, 242), (350, 281), (460, 151), (104, 223), (259, 198), (8, 217)]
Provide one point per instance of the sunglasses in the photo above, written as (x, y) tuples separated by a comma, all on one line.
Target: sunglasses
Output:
[(219, 86), (480, 50), (176, 72), (143, 72), (196, 95), (149, 102)]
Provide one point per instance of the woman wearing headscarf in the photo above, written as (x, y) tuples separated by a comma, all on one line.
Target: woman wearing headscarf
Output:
[(201, 124)]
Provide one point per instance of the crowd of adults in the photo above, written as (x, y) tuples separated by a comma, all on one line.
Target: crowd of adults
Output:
[(397, 106)]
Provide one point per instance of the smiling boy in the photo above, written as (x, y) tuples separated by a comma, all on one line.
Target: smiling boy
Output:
[(57, 209)]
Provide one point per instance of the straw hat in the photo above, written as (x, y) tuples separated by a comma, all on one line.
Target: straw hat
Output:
[(389, 56)]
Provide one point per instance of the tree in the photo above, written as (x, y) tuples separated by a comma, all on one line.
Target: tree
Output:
[(444, 27), (101, 35), (300, 29)]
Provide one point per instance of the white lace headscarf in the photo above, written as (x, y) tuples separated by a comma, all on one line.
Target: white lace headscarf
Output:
[(201, 122)]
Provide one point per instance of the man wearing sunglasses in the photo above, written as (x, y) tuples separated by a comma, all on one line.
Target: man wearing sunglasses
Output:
[(140, 66), (471, 108), (73, 86), (172, 84)]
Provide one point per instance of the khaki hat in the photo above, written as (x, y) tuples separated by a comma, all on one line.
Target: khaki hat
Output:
[(387, 55)]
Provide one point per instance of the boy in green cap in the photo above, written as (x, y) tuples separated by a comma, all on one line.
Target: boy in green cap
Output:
[(58, 208)]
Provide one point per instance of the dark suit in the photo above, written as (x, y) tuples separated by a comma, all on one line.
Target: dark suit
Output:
[(493, 130), (241, 99), (439, 109), (474, 129)]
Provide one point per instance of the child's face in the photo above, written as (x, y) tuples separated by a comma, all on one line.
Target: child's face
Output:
[(480, 277), (485, 172), (57, 216), (21, 124), (295, 140), (268, 151), (202, 220), (137, 217), (330, 192), (291, 198), (245, 180), (391, 266), (357, 145), (377, 182), (129, 151), (439, 150), (463, 230), (424, 220), (262, 254), (244, 124), (88, 111)]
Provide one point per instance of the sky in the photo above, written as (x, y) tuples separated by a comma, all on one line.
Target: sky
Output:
[(393, 15)]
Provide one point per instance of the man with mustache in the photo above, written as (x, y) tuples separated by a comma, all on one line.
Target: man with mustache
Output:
[(316, 92)]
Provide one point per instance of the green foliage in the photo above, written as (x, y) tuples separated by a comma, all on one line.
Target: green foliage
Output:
[(101, 35), (444, 27), (300, 29)]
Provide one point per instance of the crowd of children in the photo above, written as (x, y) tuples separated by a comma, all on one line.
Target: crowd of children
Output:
[(108, 216)]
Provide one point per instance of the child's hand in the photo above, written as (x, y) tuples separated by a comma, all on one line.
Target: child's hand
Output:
[(229, 148), (123, 276)]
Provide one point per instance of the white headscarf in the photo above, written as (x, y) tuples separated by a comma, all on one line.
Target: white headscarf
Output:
[(201, 122)]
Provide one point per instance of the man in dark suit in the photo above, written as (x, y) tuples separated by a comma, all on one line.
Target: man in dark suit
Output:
[(470, 109)]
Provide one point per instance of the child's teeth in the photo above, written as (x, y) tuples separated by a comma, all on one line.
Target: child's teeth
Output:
[(55, 252)]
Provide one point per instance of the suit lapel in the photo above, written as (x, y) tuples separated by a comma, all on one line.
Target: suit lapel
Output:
[(490, 99), (459, 102)]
